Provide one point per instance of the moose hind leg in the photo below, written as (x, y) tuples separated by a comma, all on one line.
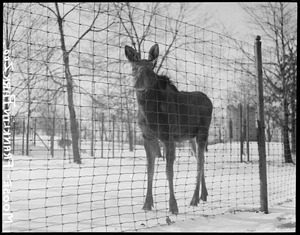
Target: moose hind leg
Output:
[(151, 152), (204, 193), (170, 157), (200, 176)]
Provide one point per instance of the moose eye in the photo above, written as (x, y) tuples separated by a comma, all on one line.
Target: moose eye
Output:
[(134, 70)]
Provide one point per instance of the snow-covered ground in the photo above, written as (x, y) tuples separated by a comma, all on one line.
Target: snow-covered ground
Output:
[(107, 194), (281, 218)]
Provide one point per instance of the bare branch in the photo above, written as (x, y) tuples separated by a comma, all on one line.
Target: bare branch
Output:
[(49, 8), (87, 31), (90, 29), (167, 51), (134, 29), (145, 34), (120, 9), (70, 11)]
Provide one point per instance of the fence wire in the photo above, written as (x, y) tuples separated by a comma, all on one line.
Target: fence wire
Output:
[(51, 191)]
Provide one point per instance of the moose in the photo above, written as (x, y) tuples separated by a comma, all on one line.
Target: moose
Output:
[(168, 115)]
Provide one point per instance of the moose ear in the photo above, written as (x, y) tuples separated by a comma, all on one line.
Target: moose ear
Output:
[(131, 54), (153, 52)]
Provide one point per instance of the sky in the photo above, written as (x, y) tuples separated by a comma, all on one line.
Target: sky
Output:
[(231, 15)]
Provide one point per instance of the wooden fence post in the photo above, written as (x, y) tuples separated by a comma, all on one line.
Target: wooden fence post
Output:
[(13, 135), (27, 134), (230, 134), (113, 136), (34, 132), (248, 132), (102, 134), (64, 135), (23, 136), (241, 133), (92, 134), (261, 130), (52, 138)]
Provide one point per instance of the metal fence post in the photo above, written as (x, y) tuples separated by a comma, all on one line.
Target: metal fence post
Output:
[(261, 130)]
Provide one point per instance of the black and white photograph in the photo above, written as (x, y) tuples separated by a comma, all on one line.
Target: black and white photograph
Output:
[(149, 116)]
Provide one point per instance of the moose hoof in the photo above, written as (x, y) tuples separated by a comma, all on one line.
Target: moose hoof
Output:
[(173, 207), (148, 205), (203, 197), (174, 211), (194, 201)]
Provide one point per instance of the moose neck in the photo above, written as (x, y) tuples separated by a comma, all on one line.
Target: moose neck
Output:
[(152, 87), (149, 94), (158, 91)]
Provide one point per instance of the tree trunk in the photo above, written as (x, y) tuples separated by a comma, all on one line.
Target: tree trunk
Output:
[(130, 136), (286, 141), (282, 66), (68, 76), (293, 128), (52, 137), (293, 108), (74, 127), (28, 132)]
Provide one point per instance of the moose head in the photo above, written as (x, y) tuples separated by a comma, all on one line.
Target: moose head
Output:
[(142, 69)]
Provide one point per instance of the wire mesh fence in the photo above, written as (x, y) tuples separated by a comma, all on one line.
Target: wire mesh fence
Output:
[(79, 162)]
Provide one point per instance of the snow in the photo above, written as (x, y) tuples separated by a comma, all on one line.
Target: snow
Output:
[(281, 218), (107, 194)]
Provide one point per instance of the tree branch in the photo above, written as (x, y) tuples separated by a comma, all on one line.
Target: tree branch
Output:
[(49, 9), (70, 11)]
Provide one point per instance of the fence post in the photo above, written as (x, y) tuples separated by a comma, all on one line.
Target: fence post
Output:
[(23, 136), (230, 133), (13, 135), (248, 132), (102, 133), (52, 138), (64, 134), (113, 136), (28, 134), (34, 132), (261, 130), (92, 136), (241, 132)]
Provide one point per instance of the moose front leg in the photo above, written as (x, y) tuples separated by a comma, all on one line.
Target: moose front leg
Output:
[(170, 156), (151, 147), (200, 176)]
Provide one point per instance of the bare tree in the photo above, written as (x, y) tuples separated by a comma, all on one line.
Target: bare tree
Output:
[(19, 37), (139, 23), (9, 30), (56, 10), (278, 23), (292, 87)]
